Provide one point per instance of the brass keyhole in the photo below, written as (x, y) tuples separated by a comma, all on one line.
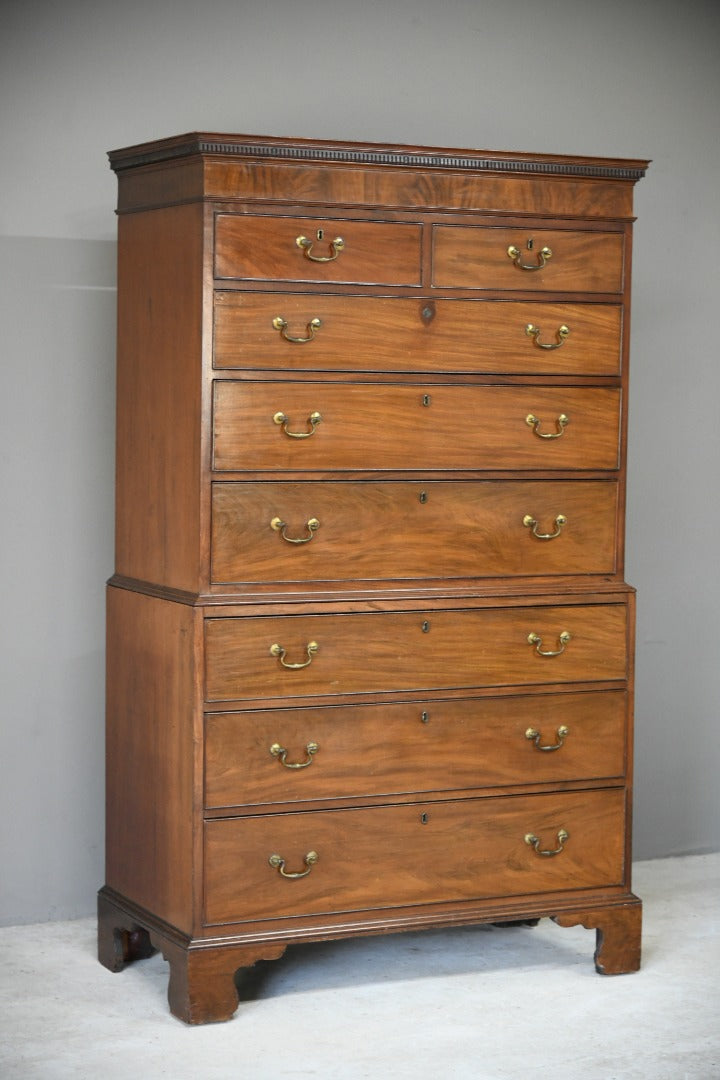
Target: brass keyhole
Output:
[(424, 818), (423, 496), (320, 234), (426, 400), (425, 717), (530, 243), (426, 627)]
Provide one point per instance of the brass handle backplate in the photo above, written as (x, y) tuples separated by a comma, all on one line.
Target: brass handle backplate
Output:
[(312, 525), (536, 640), (278, 863), (282, 421), (280, 753), (560, 424), (534, 332), (535, 736), (312, 648), (534, 842), (543, 255), (336, 246), (281, 324), (531, 523)]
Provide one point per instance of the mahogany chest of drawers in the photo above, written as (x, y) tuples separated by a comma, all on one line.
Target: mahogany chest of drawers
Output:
[(369, 640)]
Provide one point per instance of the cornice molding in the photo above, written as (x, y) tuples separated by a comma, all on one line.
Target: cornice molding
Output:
[(281, 150)]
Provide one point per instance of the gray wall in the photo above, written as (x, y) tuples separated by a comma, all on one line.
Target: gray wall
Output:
[(617, 78)]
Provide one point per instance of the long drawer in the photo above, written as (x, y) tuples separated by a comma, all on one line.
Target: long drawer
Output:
[(313, 249), (286, 426), (356, 751), (317, 332), (542, 260), (357, 653), (362, 530), (390, 856)]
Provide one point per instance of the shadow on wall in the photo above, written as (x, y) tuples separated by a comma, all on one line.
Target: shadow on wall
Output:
[(57, 351)]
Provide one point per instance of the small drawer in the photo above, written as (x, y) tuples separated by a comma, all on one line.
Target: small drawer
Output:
[(550, 260), (297, 426), (318, 332), (360, 751), (371, 531), (395, 856), (358, 653), (317, 250)]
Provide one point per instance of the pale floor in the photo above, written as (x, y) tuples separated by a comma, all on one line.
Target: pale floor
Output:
[(479, 1003)]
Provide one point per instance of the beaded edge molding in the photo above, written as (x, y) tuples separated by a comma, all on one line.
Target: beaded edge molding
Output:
[(127, 160)]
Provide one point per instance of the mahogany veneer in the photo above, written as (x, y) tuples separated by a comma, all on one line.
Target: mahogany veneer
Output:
[(370, 647)]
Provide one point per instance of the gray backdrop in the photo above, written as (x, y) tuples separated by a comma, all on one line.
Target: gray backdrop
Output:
[(632, 78)]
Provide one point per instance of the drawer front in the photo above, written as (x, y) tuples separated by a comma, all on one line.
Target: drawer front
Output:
[(395, 856), (367, 333), (391, 651), (475, 257), (268, 248), (297, 426), (358, 751), (369, 531)]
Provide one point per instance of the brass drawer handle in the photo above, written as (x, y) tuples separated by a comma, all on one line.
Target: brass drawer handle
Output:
[(560, 425), (281, 324), (336, 246), (282, 421), (536, 640), (278, 863), (535, 736), (312, 650), (531, 523), (543, 255), (534, 332), (312, 525), (280, 753), (534, 842)]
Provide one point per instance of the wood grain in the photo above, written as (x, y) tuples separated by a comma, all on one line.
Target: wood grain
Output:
[(386, 652), (388, 856), (368, 333), (151, 705), (378, 426), (265, 248), (444, 745), (477, 258), (374, 531), (159, 397)]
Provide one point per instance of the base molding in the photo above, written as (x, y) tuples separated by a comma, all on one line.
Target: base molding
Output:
[(204, 973)]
